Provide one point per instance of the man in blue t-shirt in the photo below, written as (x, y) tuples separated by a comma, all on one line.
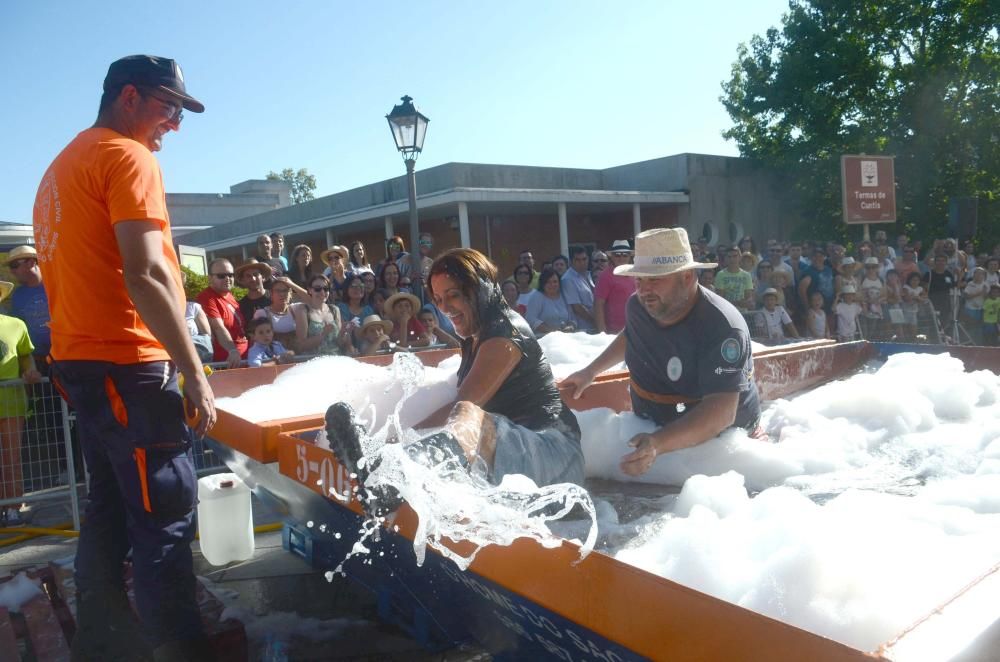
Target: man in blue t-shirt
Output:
[(29, 302), (687, 350)]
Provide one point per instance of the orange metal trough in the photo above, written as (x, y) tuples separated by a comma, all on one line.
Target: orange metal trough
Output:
[(648, 615)]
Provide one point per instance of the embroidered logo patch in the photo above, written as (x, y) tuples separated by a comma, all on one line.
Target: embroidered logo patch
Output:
[(731, 350), (674, 368)]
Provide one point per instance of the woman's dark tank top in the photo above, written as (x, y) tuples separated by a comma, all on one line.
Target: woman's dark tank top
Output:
[(528, 396)]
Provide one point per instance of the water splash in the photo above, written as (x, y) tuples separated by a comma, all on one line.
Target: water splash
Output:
[(458, 505)]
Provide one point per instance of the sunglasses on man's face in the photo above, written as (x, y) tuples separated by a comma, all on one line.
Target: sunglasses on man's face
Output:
[(174, 112)]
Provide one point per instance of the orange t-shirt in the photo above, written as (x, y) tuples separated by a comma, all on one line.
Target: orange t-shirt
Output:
[(101, 178)]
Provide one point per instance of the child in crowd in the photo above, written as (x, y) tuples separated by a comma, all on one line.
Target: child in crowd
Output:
[(893, 292), (407, 330), (375, 335), (913, 296), (779, 324), (265, 349), (847, 311), (872, 290), (991, 317), (992, 271), (438, 335), (816, 317), (706, 278), (975, 294)]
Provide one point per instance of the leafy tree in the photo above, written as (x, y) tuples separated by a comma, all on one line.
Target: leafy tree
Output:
[(917, 79), (303, 184)]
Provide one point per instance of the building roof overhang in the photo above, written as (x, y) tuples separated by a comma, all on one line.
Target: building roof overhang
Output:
[(244, 231)]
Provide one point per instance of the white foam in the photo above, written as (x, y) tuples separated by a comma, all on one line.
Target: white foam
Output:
[(880, 501), (18, 591), (878, 497)]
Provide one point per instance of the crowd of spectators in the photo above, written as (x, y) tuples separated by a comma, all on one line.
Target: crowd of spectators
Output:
[(872, 289), (351, 303)]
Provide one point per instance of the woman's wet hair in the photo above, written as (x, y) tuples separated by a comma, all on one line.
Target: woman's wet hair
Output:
[(467, 266), (544, 278)]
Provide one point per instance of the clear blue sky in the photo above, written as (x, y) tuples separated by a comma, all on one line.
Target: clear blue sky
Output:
[(306, 84)]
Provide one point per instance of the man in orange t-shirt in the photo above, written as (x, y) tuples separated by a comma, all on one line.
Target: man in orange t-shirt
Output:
[(117, 348)]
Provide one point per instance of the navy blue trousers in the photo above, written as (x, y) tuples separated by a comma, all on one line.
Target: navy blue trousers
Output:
[(143, 489)]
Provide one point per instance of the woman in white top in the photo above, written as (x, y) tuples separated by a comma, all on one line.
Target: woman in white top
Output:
[(201, 334), (319, 328), (522, 278), (280, 312), (547, 309)]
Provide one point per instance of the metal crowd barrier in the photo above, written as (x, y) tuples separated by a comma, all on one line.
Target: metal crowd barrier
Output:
[(918, 324), (40, 455)]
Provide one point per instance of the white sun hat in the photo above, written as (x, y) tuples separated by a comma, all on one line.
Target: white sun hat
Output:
[(662, 252)]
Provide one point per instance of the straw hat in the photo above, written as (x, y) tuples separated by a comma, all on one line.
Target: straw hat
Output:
[(21, 252), (375, 320), (662, 252), (343, 252), (621, 246), (5, 289), (253, 265), (391, 302)]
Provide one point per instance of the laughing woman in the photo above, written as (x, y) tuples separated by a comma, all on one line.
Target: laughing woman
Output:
[(508, 414)]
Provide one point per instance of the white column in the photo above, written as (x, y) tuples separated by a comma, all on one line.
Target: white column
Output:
[(636, 219), (463, 224), (563, 230), (389, 232), (329, 237), (243, 249)]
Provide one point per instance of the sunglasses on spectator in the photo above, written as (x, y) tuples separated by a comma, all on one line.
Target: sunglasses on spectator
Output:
[(321, 288), (17, 263), (229, 274)]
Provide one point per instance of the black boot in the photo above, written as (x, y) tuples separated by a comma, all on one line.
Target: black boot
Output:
[(107, 629), (343, 433)]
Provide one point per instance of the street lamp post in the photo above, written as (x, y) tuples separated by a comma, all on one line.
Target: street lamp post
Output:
[(409, 126)]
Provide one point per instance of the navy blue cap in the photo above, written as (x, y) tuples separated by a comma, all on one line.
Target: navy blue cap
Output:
[(150, 71)]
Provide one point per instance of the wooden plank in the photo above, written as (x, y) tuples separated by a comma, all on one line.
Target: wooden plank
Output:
[(8, 640), (44, 630)]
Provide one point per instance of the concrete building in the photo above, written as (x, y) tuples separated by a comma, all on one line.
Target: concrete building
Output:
[(502, 209), (190, 212)]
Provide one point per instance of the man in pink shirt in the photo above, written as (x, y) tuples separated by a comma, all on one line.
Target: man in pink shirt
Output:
[(613, 291)]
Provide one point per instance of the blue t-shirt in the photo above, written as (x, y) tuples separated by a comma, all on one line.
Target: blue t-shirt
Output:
[(31, 305), (822, 282), (707, 352)]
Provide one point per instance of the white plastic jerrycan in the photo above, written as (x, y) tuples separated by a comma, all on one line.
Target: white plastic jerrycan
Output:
[(225, 519)]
